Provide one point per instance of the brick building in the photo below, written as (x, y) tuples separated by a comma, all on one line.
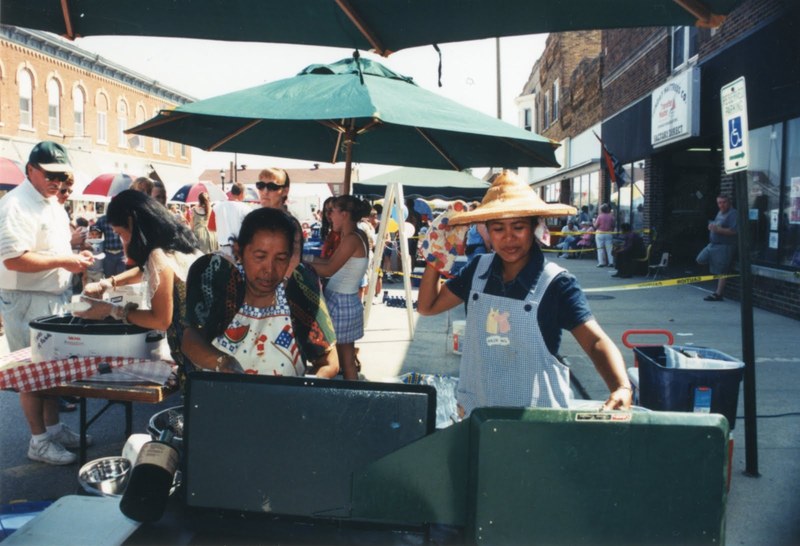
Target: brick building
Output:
[(52, 90), (562, 101), (661, 116)]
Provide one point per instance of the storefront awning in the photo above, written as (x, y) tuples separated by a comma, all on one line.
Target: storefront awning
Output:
[(586, 167)]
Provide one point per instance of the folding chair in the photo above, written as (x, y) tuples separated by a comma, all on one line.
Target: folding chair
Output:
[(640, 265), (655, 269)]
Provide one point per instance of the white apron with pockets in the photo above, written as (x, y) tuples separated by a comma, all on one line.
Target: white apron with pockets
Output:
[(505, 361)]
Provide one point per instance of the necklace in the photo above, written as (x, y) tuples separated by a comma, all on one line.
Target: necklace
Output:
[(262, 302)]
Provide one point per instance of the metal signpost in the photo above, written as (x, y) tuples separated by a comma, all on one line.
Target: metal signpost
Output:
[(736, 151)]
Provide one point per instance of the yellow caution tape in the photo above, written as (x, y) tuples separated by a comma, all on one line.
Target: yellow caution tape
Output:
[(621, 287), (656, 284), (643, 231)]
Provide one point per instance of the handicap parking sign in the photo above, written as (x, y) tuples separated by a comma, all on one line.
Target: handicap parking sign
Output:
[(735, 139), (734, 126)]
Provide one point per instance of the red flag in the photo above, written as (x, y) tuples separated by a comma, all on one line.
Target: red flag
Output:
[(615, 169)]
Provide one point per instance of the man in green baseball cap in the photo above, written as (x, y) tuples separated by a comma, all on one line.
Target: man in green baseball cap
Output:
[(36, 266)]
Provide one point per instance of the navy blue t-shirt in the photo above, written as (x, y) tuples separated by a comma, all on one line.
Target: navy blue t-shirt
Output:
[(563, 306)]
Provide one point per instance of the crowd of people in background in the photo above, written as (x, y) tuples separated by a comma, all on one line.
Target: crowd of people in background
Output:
[(228, 283)]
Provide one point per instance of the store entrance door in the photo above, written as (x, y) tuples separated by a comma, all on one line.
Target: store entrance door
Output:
[(690, 201)]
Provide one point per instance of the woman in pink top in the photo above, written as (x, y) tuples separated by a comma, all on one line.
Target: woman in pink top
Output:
[(604, 224)]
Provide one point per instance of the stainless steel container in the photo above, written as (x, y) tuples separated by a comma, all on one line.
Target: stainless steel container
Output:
[(107, 476)]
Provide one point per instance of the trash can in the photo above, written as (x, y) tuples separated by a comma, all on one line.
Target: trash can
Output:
[(690, 379)]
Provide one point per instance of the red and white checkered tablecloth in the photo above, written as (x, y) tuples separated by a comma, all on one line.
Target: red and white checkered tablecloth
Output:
[(19, 373)]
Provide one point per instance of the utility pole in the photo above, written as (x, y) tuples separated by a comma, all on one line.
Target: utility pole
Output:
[(499, 83)]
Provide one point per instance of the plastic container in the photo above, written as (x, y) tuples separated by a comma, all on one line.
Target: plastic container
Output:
[(416, 276), (459, 329), (706, 381)]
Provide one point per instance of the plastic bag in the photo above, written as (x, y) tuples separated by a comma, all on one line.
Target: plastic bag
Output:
[(445, 385)]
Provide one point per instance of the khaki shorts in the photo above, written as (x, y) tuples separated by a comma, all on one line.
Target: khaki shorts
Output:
[(718, 257)]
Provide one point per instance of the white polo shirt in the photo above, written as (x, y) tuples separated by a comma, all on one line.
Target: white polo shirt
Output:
[(29, 222)]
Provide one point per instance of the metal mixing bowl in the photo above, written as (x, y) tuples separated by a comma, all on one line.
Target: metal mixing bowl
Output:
[(171, 419), (107, 476)]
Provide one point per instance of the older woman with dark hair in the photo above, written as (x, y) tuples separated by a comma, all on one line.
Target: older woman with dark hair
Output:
[(248, 316), (162, 250)]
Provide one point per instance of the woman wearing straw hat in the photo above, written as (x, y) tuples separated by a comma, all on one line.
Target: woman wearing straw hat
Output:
[(518, 304)]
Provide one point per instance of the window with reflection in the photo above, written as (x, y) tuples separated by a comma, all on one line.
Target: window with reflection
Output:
[(25, 83), (102, 119), (789, 218), (78, 108), (53, 107), (773, 186)]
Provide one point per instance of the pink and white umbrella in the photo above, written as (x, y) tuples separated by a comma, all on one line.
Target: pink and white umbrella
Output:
[(12, 173), (108, 185), (189, 193)]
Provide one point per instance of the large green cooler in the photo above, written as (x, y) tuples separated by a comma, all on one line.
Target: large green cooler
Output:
[(571, 477)]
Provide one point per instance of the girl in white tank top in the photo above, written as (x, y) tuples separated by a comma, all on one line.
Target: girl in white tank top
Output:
[(346, 267)]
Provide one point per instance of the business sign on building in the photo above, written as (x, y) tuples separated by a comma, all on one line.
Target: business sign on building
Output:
[(676, 109)]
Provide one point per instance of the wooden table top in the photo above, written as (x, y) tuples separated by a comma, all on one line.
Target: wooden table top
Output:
[(123, 392)]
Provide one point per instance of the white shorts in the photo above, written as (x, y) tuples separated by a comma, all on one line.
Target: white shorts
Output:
[(20, 307)]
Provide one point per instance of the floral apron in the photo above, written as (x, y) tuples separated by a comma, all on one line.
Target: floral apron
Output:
[(262, 339)]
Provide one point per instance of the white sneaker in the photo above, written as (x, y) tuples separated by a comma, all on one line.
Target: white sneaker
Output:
[(50, 452), (69, 438)]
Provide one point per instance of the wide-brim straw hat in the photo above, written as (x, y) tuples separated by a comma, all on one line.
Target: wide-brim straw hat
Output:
[(509, 197)]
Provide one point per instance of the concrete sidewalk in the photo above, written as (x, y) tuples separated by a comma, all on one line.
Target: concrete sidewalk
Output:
[(760, 511)]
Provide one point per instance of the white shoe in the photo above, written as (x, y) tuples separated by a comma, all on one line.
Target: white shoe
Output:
[(50, 452), (69, 438)]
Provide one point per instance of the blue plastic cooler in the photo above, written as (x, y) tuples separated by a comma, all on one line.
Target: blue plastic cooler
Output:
[(707, 381)]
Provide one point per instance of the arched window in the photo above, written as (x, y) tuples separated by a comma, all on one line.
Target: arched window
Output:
[(53, 107), (122, 123), (102, 119), (25, 99), (78, 107)]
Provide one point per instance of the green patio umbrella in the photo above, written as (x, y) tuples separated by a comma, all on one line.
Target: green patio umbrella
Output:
[(425, 183), (354, 108), (381, 25)]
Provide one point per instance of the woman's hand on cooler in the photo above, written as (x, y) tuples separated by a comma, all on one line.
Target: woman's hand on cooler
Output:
[(96, 289), (98, 309), (620, 398)]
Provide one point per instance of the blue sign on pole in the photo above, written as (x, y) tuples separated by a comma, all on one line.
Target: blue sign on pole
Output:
[(735, 139)]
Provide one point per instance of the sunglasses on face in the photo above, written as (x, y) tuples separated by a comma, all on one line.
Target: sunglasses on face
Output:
[(53, 177), (65, 191), (269, 186)]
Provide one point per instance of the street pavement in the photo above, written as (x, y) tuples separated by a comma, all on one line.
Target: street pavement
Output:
[(763, 510)]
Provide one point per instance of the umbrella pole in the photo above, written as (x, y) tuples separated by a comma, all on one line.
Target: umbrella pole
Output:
[(348, 158)]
